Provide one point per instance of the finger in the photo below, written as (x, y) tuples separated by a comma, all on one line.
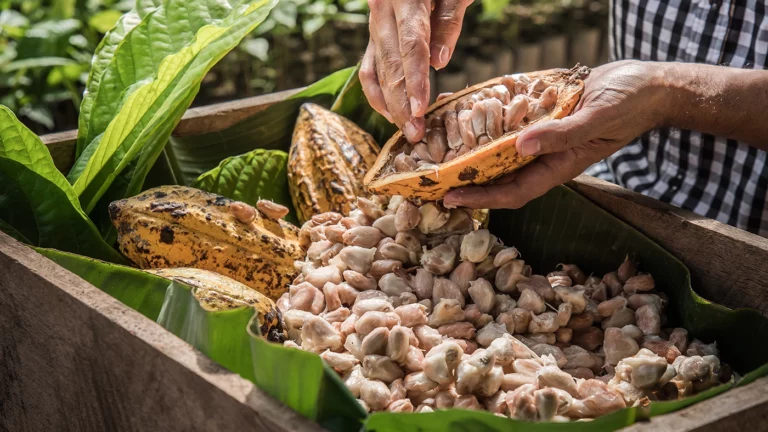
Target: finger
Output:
[(446, 27), (517, 189), (558, 135), (389, 69), (442, 96), (413, 28), (370, 82)]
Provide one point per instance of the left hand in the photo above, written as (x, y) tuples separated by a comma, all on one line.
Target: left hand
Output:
[(621, 101)]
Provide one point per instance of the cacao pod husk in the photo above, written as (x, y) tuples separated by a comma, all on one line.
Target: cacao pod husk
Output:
[(178, 226), (484, 163), (217, 292), (327, 161)]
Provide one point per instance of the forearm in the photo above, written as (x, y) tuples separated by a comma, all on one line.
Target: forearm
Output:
[(718, 100)]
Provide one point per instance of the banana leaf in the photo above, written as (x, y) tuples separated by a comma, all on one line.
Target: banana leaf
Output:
[(297, 378), (37, 204), (259, 174)]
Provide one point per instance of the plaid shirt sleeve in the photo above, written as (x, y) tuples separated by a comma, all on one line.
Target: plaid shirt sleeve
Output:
[(712, 176)]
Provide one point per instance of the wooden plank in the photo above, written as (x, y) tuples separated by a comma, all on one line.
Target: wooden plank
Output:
[(72, 358), (212, 118), (61, 145), (209, 118), (741, 409), (727, 264)]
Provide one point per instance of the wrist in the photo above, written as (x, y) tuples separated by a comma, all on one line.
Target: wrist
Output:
[(674, 83)]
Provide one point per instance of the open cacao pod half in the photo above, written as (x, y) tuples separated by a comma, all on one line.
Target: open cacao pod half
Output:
[(178, 226), (328, 158), (471, 134)]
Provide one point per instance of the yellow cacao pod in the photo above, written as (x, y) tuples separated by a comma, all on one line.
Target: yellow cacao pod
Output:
[(178, 226), (216, 292), (328, 159)]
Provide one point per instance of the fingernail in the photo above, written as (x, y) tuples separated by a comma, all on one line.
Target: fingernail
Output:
[(415, 107), (410, 131), (440, 53), (530, 147), (443, 55)]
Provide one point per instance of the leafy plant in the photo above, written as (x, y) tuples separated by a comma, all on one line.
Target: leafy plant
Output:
[(37, 204), (45, 55)]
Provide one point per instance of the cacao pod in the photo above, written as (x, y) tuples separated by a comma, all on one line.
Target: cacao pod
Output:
[(178, 226), (328, 159), (485, 160), (216, 292)]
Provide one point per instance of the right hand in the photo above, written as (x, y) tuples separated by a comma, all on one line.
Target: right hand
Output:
[(407, 36)]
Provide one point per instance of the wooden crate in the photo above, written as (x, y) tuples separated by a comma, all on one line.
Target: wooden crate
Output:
[(74, 358)]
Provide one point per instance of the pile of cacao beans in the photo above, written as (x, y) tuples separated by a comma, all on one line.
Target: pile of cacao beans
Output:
[(486, 116), (418, 309)]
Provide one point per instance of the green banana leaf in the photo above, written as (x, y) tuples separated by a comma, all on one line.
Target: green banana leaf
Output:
[(148, 84), (271, 129), (297, 378), (104, 54), (259, 174), (37, 204)]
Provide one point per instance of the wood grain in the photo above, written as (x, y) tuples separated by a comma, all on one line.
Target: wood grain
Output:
[(728, 265), (72, 358), (741, 409)]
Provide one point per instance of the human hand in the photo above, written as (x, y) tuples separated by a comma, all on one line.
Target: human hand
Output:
[(621, 101), (407, 36)]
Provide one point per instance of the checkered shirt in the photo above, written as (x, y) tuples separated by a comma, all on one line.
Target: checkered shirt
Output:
[(711, 176)]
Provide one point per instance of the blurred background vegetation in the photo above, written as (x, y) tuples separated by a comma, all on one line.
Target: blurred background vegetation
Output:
[(46, 48)]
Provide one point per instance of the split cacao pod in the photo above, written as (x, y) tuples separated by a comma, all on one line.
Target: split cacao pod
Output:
[(178, 226), (216, 292), (327, 161), (484, 161)]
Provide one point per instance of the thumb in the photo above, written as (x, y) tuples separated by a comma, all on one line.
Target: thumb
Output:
[(555, 136)]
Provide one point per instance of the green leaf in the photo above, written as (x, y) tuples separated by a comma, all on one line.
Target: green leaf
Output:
[(37, 204), (38, 114), (102, 58), (13, 23), (104, 21), (310, 26), (494, 9), (63, 9), (259, 174), (269, 129), (35, 63), (146, 96), (462, 420), (258, 48), (298, 379)]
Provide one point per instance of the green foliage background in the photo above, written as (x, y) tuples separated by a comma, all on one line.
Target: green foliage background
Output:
[(46, 47)]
